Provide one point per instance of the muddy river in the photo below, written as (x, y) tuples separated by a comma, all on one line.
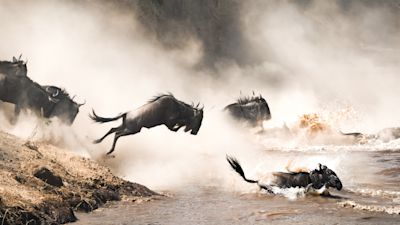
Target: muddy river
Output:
[(371, 195)]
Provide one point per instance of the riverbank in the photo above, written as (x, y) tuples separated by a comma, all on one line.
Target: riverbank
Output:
[(43, 184)]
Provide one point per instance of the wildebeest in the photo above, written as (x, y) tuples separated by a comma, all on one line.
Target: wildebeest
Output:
[(253, 110), (27, 94), (318, 178), (15, 68), (163, 109), (384, 135)]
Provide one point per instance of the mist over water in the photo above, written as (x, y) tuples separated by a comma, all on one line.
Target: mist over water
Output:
[(337, 59)]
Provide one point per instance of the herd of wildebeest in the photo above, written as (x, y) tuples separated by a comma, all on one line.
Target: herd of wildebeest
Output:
[(49, 101)]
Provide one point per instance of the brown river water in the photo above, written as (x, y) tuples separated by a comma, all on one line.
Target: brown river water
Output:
[(371, 195)]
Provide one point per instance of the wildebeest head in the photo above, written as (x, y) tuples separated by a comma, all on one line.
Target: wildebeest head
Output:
[(265, 113), (195, 122), (325, 176), (16, 68), (66, 109)]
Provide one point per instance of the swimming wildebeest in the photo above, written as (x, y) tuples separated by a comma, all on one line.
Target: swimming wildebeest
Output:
[(27, 94), (253, 110), (318, 178), (15, 68), (163, 109), (384, 135)]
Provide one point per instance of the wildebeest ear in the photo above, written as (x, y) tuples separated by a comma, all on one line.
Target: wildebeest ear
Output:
[(14, 59)]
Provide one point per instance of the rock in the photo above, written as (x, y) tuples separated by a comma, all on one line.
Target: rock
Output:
[(47, 176)]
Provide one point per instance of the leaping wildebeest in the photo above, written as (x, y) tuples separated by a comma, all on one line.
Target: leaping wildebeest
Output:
[(161, 110), (253, 110), (318, 178)]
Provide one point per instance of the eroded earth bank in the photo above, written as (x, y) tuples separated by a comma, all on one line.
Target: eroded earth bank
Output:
[(43, 184)]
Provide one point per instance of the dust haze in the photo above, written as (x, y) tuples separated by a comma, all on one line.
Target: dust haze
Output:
[(303, 56)]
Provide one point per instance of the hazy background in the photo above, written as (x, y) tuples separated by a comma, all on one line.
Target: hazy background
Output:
[(337, 58)]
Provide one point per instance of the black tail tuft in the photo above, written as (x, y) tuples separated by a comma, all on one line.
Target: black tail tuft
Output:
[(99, 119), (236, 166)]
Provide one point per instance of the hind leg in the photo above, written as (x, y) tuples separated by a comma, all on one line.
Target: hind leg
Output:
[(112, 130), (119, 134)]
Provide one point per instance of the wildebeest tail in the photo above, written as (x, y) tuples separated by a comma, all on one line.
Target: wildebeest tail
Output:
[(100, 119), (236, 166)]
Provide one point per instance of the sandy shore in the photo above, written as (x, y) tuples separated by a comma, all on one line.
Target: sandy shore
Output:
[(43, 184)]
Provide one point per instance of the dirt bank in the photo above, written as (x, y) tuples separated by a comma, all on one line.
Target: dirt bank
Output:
[(42, 184)]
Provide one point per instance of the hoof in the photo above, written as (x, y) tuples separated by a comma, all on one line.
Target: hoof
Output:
[(96, 141)]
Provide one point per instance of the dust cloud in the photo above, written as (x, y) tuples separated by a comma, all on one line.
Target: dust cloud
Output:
[(303, 56)]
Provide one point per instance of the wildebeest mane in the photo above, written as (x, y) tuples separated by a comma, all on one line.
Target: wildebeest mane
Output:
[(246, 99), (157, 97)]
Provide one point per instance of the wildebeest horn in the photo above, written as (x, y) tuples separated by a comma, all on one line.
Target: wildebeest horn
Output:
[(82, 103), (319, 167), (197, 106), (53, 100), (19, 58), (54, 95), (254, 93), (73, 97)]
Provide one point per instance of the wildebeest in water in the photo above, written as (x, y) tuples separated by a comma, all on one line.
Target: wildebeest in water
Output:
[(161, 110), (318, 178), (253, 110), (15, 68)]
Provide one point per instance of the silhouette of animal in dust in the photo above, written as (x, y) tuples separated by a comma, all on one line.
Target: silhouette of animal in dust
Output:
[(318, 178), (253, 110), (26, 94), (384, 135), (163, 109), (15, 68)]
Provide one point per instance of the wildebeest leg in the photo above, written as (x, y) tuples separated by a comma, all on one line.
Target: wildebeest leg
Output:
[(112, 130), (17, 111), (119, 134), (266, 187), (174, 127)]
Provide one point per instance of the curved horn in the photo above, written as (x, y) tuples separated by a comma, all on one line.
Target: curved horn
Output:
[(19, 58), (197, 106), (53, 99), (55, 94), (79, 105), (73, 97), (48, 89)]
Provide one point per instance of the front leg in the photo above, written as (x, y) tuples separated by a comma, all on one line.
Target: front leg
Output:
[(309, 186), (174, 127)]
